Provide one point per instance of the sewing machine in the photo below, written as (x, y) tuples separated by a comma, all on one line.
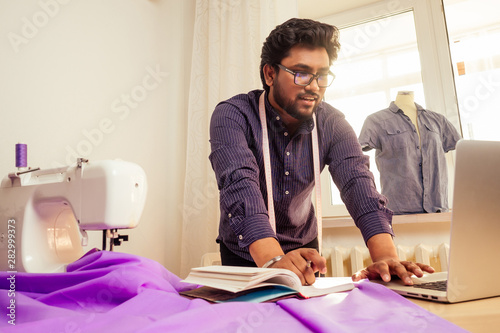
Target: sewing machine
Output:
[(44, 214)]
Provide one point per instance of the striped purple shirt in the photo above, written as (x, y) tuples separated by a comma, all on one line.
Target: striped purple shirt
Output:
[(237, 159)]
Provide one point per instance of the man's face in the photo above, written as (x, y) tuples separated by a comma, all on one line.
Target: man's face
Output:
[(297, 103)]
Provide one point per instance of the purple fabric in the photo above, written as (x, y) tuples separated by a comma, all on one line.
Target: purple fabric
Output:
[(116, 292)]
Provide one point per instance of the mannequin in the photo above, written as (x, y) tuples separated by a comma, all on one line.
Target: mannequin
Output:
[(414, 179), (405, 101)]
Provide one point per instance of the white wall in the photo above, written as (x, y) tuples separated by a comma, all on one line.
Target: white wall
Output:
[(102, 80)]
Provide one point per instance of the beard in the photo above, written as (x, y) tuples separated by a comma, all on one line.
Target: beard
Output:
[(291, 106)]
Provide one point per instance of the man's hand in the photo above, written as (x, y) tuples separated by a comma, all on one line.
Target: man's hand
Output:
[(303, 262), (386, 262), (386, 268)]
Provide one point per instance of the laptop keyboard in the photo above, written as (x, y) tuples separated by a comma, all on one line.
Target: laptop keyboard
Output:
[(436, 285)]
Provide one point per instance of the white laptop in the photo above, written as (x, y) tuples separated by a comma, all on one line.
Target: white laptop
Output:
[(473, 267)]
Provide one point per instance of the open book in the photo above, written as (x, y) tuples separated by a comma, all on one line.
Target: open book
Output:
[(230, 282)]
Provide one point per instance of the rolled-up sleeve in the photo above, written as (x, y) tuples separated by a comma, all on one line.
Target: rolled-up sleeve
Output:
[(450, 135), (368, 138)]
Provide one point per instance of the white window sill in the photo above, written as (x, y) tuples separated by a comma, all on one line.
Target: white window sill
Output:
[(347, 221)]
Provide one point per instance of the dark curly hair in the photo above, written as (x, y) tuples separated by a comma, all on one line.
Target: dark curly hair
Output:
[(297, 31)]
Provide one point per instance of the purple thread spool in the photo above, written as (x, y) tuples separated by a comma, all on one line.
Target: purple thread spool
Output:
[(21, 155)]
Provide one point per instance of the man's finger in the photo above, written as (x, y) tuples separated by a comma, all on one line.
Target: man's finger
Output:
[(380, 269), (425, 268), (402, 269), (317, 262), (304, 266)]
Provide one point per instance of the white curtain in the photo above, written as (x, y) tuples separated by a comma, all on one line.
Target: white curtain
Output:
[(227, 41)]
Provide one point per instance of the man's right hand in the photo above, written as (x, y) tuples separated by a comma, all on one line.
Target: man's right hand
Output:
[(304, 262)]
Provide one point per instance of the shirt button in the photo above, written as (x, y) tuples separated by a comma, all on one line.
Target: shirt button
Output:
[(287, 153), (286, 192), (240, 237), (287, 173), (277, 117), (418, 147), (229, 215), (286, 133)]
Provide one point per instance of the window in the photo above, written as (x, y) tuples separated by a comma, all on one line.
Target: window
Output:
[(474, 32), (387, 47)]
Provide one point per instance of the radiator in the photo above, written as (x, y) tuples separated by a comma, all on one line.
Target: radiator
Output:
[(346, 261)]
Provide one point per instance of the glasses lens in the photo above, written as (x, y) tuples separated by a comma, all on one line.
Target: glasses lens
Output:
[(303, 79), (323, 80)]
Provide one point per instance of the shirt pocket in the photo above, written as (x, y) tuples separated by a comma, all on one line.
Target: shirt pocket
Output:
[(432, 129), (398, 138), (433, 136)]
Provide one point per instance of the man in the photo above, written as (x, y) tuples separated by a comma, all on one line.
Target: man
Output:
[(295, 71)]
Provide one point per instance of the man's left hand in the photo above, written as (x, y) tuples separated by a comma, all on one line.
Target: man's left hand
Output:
[(386, 268)]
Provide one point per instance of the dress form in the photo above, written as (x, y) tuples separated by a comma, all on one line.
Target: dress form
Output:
[(405, 101)]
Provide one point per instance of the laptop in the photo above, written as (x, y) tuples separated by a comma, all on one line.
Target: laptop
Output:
[(473, 268)]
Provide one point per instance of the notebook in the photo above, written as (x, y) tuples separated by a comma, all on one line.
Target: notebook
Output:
[(473, 268)]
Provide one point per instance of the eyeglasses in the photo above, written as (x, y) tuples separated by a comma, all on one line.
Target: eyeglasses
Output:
[(305, 79)]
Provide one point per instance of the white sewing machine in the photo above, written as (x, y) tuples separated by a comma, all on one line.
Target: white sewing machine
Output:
[(44, 214)]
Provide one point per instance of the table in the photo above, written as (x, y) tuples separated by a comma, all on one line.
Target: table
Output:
[(476, 316)]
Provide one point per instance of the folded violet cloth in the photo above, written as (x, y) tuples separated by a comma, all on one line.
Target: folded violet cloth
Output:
[(117, 292)]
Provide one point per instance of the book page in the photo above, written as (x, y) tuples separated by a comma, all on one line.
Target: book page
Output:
[(233, 278), (328, 285)]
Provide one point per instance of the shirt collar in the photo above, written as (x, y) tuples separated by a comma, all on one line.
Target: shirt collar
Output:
[(394, 108)]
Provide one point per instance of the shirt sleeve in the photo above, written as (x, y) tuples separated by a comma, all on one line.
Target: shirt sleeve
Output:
[(349, 169), (237, 175), (368, 136), (450, 135)]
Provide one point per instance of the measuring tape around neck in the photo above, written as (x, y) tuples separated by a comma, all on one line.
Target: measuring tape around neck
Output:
[(267, 168)]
